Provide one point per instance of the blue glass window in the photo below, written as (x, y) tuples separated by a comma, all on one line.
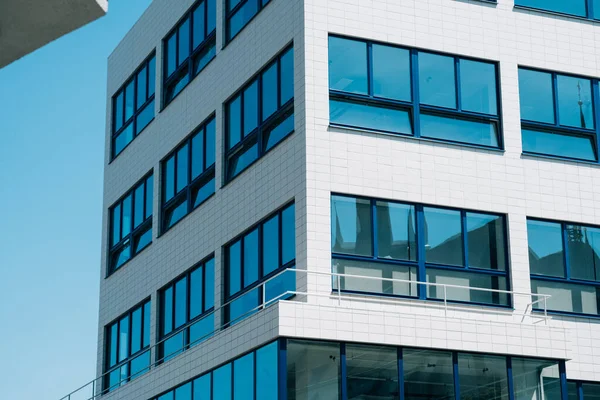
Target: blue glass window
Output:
[(252, 130), (133, 106), (243, 378), (186, 312), (188, 48), (558, 115), (578, 8), (127, 353), (375, 86), (247, 267), (189, 174), (564, 261), (378, 239), (239, 13), (266, 372), (131, 224)]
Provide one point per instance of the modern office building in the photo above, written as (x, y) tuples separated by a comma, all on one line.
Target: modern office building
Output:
[(353, 199), (26, 25)]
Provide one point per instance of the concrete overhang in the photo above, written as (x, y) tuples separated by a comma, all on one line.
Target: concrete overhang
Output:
[(26, 25)]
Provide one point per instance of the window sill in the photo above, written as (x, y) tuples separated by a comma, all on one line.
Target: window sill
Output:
[(342, 128), (546, 157), (555, 14)]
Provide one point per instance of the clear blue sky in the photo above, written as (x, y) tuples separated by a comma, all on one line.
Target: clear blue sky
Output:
[(52, 127)]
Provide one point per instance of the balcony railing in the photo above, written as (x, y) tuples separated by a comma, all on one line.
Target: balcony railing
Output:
[(94, 390)]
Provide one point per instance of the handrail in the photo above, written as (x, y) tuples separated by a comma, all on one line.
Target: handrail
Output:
[(96, 389)]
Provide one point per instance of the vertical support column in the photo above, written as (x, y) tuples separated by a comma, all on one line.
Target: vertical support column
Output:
[(282, 369), (400, 373), (509, 376), (344, 373), (562, 368), (421, 273), (455, 374)]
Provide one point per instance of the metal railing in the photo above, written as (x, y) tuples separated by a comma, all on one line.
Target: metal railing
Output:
[(95, 388)]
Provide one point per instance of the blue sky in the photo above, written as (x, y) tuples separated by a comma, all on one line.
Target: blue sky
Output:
[(52, 127)]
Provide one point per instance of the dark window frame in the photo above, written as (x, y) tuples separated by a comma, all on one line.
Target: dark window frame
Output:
[(135, 233), (186, 67), (107, 349), (133, 78), (580, 389), (557, 128), (259, 227), (185, 328), (230, 14), (414, 107), (420, 263), (194, 184), (567, 269), (589, 11), (257, 136)]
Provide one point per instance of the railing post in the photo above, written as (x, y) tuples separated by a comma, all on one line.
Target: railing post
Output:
[(545, 311), (339, 285), (264, 296), (445, 303), (93, 389)]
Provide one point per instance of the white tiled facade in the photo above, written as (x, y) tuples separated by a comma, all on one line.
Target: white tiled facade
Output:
[(317, 160)]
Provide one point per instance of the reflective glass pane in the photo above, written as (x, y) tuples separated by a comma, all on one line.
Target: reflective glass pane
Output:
[(270, 243), (573, 392), (222, 381), (437, 86), (288, 235), (177, 85), (241, 17), (266, 372), (184, 41), (167, 396), (584, 252), (243, 378), (591, 391), (244, 306), (287, 76), (123, 338), (406, 284), (545, 248), (575, 107), (180, 302), (182, 168), (251, 258), (313, 370), (167, 318), (482, 377), (459, 130), (114, 335), (151, 76), (171, 54), (121, 256), (175, 213), (351, 228), (478, 87), (142, 81), (202, 387), (467, 280), (536, 96), (145, 116), (136, 331), (428, 375), (211, 13), (127, 217), (118, 111), (204, 192), (198, 19), (169, 177), (129, 100), (391, 72), (149, 195), (348, 65), (370, 117), (114, 379), (116, 224), (196, 292), (567, 297), (396, 227), (269, 92), (443, 236), (372, 372), (197, 154), (556, 144), (279, 131), (202, 329), (173, 346), (573, 7), (140, 365), (202, 59), (241, 161), (284, 283), (235, 121), (596, 8), (184, 392), (251, 108), (234, 267), (139, 201), (485, 236), (535, 379), (123, 139), (124, 374), (210, 143), (146, 334), (209, 285)]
